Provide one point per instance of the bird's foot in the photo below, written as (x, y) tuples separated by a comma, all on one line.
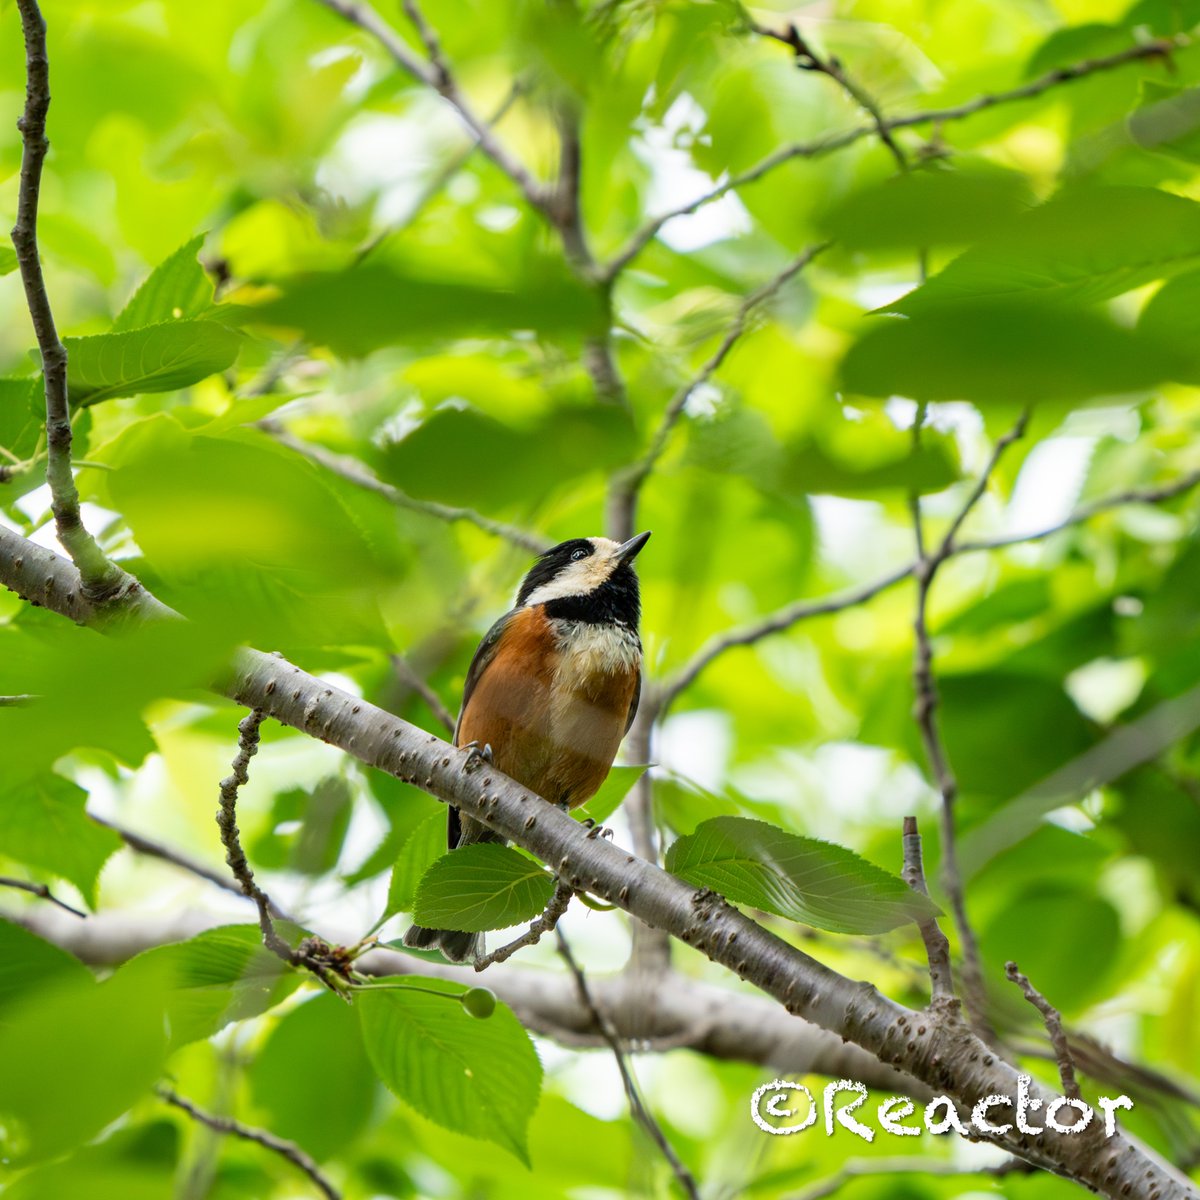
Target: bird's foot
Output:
[(594, 830), (477, 756)]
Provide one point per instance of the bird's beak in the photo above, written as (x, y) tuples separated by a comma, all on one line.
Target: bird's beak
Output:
[(628, 551)]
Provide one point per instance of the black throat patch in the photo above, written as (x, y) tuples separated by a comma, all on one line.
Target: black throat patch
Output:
[(615, 602)]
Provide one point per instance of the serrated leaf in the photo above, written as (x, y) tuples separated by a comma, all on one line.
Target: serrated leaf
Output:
[(481, 1078), (1005, 354), (219, 976), (479, 887), (177, 288), (421, 849), (806, 880), (1085, 245), (43, 824), (612, 792), (157, 358)]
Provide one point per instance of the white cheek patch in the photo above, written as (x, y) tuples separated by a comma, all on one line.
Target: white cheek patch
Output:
[(579, 578)]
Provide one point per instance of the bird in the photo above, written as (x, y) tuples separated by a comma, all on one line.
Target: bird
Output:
[(551, 691)]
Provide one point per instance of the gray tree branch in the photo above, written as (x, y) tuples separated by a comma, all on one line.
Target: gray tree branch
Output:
[(946, 1056)]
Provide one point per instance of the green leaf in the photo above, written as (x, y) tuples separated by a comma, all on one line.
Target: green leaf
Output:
[(367, 307), (612, 792), (43, 824), (1167, 120), (76, 1055), (27, 963), (419, 851), (481, 1078), (322, 1110), (177, 288), (1005, 354), (806, 880), (22, 416), (219, 976), (451, 455), (157, 358), (1086, 244), (935, 206), (92, 691), (1172, 317), (1083, 921), (279, 557), (318, 820), (485, 886), (8, 260)]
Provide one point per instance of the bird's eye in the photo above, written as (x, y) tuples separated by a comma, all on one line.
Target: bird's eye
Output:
[(576, 555)]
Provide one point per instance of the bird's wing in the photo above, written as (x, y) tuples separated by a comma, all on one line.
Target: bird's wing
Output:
[(484, 654), (637, 697)]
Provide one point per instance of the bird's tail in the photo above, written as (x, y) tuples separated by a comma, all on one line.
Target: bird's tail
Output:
[(455, 945)]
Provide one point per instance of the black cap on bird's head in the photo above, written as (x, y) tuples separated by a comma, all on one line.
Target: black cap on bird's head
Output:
[(587, 579)]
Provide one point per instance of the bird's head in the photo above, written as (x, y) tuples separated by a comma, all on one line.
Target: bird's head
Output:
[(586, 579)]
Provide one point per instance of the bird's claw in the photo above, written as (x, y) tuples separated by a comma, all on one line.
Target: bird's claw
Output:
[(477, 756), (595, 831)]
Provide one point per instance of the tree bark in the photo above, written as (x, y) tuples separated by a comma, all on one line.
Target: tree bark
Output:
[(940, 1051)]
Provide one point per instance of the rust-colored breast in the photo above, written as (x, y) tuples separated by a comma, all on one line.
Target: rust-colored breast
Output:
[(552, 727)]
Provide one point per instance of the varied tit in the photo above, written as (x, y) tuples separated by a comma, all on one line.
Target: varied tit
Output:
[(552, 689)]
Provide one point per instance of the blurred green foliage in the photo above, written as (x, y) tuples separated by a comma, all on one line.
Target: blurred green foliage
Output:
[(252, 221)]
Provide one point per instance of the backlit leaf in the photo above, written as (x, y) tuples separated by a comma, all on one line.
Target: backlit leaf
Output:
[(481, 1078), (806, 880), (177, 288), (157, 358), (484, 886)]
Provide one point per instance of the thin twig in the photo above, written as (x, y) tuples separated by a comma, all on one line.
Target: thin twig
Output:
[(807, 59), (141, 844), (414, 682), (1154, 495), (281, 1146), (541, 926), (937, 945), (640, 1112), (358, 473), (22, 701), (102, 579), (925, 711), (642, 237), (566, 214), (440, 180), (437, 74), (628, 482), (248, 736), (792, 614), (1052, 1019), (777, 622), (946, 546), (41, 890), (558, 204)]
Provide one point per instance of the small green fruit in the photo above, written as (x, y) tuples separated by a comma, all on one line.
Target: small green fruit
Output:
[(479, 1002)]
